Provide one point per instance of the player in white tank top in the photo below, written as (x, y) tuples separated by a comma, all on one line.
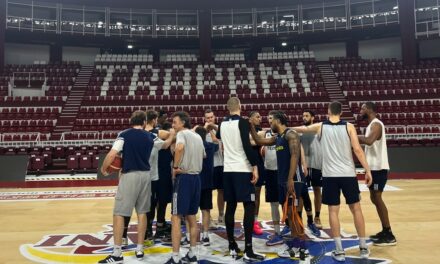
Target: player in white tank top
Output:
[(377, 157)]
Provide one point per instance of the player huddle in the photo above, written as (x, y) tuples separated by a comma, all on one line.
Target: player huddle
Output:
[(184, 164)]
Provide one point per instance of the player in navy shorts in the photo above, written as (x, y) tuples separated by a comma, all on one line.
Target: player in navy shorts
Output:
[(206, 180)]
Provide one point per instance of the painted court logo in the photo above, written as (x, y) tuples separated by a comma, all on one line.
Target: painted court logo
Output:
[(90, 248)]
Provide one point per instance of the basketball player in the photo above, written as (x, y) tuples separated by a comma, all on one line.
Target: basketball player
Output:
[(188, 163), (165, 184), (338, 138), (134, 188), (206, 182), (271, 171), (288, 153), (255, 118), (313, 156), (159, 143), (240, 175), (377, 157), (218, 165)]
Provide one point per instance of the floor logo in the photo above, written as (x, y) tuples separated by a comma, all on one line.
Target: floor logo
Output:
[(90, 248)]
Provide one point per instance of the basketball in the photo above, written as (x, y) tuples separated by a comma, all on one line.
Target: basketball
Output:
[(115, 166)]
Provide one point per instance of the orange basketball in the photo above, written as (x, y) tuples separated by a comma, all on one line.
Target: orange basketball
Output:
[(115, 166)]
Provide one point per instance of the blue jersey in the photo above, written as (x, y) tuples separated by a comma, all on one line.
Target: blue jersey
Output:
[(283, 160), (207, 173), (136, 150)]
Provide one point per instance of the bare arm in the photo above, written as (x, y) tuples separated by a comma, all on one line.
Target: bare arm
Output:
[(108, 161), (295, 150), (163, 134), (171, 137), (303, 161), (214, 137), (178, 154), (260, 140), (375, 134), (315, 128), (357, 149)]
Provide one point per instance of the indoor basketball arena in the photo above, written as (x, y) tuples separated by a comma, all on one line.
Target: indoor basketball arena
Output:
[(284, 131)]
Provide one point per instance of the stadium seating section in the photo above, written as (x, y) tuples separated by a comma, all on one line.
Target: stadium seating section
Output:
[(407, 98)]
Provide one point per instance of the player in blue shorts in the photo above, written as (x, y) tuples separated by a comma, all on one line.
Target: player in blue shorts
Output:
[(188, 163), (255, 117), (206, 180)]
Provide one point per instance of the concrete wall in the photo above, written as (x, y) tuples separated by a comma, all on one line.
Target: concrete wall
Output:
[(429, 48), (85, 55), (324, 51), (414, 159), (25, 53), (380, 48)]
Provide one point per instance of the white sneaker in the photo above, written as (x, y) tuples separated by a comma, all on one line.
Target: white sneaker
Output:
[(364, 253), (338, 255), (287, 252)]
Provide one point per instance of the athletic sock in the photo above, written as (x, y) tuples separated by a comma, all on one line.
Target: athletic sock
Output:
[(277, 229), (192, 252), (205, 234), (363, 242), (176, 257), (139, 247), (309, 219), (117, 251), (317, 214), (338, 243)]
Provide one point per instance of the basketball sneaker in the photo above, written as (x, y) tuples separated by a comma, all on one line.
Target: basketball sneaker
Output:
[(185, 242), (338, 255), (257, 229), (234, 250), (386, 239), (205, 241), (275, 240), (189, 260), (112, 259), (364, 253), (171, 261), (377, 236), (139, 254), (288, 252), (251, 256), (285, 231), (315, 231)]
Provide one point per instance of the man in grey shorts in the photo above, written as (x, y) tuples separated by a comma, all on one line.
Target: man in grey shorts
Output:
[(134, 189)]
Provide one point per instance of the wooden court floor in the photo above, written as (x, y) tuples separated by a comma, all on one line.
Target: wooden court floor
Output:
[(414, 213)]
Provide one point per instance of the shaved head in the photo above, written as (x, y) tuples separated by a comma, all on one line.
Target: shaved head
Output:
[(233, 104)]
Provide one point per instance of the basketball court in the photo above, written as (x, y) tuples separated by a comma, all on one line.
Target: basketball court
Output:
[(73, 225)]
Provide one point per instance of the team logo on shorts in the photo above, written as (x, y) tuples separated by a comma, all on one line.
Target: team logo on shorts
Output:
[(90, 248)]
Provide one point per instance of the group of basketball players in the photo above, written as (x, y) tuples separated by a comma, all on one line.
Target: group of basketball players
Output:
[(184, 164)]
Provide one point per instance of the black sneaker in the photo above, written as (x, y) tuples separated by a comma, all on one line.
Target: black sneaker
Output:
[(387, 239), (185, 242), (163, 231), (377, 236), (139, 254), (234, 251), (171, 261), (112, 259), (188, 260), (251, 256), (303, 254), (205, 242)]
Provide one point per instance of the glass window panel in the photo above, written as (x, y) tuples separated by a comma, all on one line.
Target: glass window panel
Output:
[(72, 15), (187, 19), (425, 3), (19, 10), (45, 13)]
